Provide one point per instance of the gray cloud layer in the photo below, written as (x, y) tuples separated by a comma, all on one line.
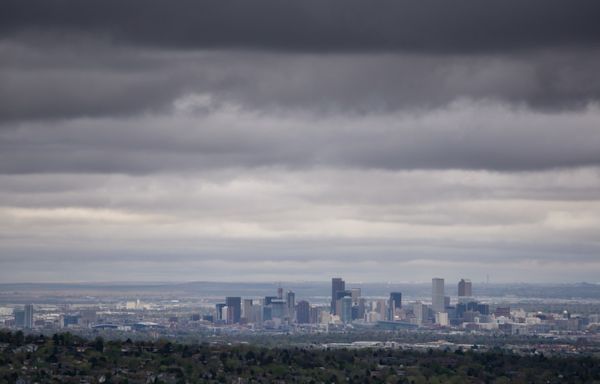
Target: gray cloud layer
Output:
[(318, 25), (197, 136), (92, 78), (249, 140)]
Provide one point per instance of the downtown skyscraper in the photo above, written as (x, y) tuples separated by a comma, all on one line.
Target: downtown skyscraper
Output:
[(437, 295), (234, 309), (337, 285), (465, 288)]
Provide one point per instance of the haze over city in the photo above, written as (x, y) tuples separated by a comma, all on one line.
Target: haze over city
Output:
[(253, 141)]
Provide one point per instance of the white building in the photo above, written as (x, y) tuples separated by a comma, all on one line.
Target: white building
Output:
[(441, 318)]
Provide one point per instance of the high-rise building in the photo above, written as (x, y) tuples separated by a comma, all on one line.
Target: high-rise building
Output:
[(344, 293), (395, 302), (337, 284), (346, 309), (280, 293), (420, 311), (465, 288), (247, 310), (303, 312), (28, 316), (381, 308), (267, 313), (234, 313), (291, 305), (461, 308), (315, 314), (484, 309), (219, 311), (278, 309), (19, 315), (451, 311), (339, 295), (437, 295), (362, 304), (257, 314), (226, 314), (355, 295)]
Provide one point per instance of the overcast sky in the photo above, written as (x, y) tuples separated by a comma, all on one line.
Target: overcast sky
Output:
[(269, 140)]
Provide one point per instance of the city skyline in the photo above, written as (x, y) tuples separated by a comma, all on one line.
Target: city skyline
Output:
[(182, 142), (348, 309)]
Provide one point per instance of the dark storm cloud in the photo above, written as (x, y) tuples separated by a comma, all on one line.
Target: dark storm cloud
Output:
[(317, 25), (83, 77)]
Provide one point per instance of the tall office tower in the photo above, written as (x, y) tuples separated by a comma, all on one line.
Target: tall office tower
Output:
[(346, 309), (268, 299), (355, 295), (267, 313), (339, 295), (337, 284), (278, 309), (395, 302), (315, 314), (465, 288), (19, 315), (226, 314), (291, 305), (420, 311), (303, 312), (28, 316), (257, 314), (219, 311), (437, 295), (247, 310), (280, 293), (362, 307), (234, 312), (381, 308)]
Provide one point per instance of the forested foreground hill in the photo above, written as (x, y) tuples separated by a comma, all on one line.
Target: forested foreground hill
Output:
[(65, 358)]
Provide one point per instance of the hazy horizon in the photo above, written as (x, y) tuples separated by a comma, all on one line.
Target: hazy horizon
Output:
[(283, 283)]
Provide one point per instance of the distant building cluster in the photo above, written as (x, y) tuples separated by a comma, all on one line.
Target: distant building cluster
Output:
[(271, 311), (346, 308), (349, 307)]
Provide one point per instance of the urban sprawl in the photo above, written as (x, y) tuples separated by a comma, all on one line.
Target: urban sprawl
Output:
[(347, 310)]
